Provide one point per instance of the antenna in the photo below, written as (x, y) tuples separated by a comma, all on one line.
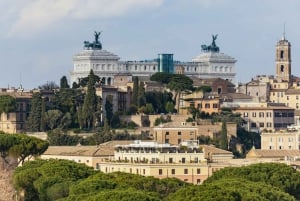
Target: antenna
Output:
[(283, 37)]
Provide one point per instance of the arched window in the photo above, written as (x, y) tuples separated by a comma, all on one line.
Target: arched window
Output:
[(282, 68), (281, 54)]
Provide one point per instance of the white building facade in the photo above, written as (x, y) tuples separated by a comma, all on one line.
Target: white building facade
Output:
[(209, 64)]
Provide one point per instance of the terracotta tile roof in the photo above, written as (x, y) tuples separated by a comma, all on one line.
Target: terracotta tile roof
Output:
[(292, 91), (273, 153), (105, 149), (213, 150)]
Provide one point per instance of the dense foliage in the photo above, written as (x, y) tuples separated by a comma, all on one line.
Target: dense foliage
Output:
[(20, 147), (231, 190), (48, 180), (34, 122), (279, 175), (69, 181), (7, 104)]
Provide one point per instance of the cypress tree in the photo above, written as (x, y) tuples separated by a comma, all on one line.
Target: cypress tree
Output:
[(43, 111), (90, 101), (109, 108), (141, 95), (224, 139), (34, 119), (64, 83), (135, 90)]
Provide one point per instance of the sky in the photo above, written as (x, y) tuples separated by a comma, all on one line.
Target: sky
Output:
[(38, 38)]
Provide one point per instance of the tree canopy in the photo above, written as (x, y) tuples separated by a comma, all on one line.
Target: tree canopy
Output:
[(67, 180), (161, 77), (7, 104), (20, 146)]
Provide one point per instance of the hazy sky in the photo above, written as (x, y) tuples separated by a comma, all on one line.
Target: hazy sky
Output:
[(38, 38)]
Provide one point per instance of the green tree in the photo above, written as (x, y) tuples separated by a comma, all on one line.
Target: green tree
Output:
[(223, 137), (276, 174), (80, 117), (147, 109), (90, 101), (43, 116), (26, 147), (34, 119), (52, 118), (231, 189), (178, 84), (109, 108), (7, 104), (64, 83), (37, 178), (141, 95), (170, 107), (161, 77), (65, 121), (135, 91), (50, 85), (20, 147), (56, 137)]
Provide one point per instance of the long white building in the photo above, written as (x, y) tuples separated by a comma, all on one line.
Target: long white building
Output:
[(211, 63)]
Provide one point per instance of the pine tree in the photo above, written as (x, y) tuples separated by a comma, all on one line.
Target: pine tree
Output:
[(90, 101)]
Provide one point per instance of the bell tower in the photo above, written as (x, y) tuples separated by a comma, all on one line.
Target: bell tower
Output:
[(283, 60)]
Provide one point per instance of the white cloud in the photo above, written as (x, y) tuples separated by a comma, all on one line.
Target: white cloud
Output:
[(37, 15)]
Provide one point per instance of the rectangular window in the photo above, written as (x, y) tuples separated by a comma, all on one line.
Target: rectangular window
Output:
[(179, 133), (261, 125), (198, 181), (170, 160), (186, 171), (183, 160), (198, 170), (253, 125), (173, 171), (245, 114), (253, 114), (167, 133), (207, 105), (215, 105), (160, 171)]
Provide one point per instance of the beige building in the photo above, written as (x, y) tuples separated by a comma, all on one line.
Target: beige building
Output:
[(187, 163), (281, 140), (258, 88), (177, 132), (264, 116), (89, 155), (15, 121)]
